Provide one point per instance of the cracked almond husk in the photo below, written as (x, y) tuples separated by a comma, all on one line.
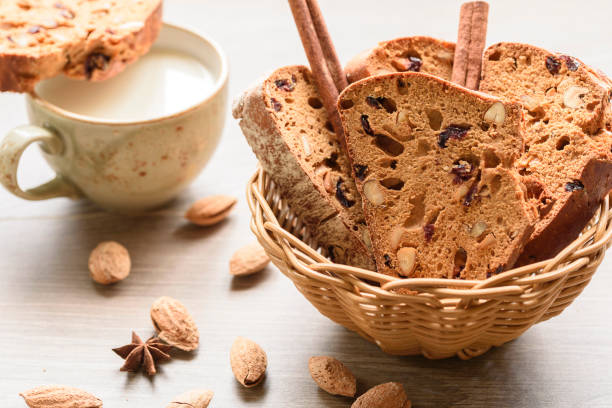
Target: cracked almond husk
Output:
[(145, 354), (210, 210), (248, 362), (249, 259), (332, 376), (109, 262), (59, 396), (192, 399), (174, 324), (387, 395)]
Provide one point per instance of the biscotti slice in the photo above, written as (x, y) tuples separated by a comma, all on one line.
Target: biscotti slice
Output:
[(434, 164), (414, 54), (286, 125), (566, 106), (83, 39)]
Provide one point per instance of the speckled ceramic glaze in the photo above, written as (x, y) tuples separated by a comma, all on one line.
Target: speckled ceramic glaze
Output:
[(124, 166)]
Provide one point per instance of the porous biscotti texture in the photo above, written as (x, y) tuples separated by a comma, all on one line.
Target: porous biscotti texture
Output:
[(286, 125), (566, 106), (83, 39), (434, 164), (415, 54)]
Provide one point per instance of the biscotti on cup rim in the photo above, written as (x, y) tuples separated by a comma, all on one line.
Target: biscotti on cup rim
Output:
[(406, 54), (568, 148), (435, 166), (286, 125), (91, 40)]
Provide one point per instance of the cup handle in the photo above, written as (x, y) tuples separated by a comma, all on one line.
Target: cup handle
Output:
[(11, 149)]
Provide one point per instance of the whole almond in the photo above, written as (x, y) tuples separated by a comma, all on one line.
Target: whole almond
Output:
[(59, 396), (109, 262), (248, 362), (192, 399), (332, 376), (174, 324), (387, 395), (249, 259), (210, 210)]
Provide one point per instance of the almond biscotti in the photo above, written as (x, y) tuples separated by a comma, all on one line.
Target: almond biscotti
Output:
[(284, 121), (566, 106), (408, 54), (83, 39), (434, 164)]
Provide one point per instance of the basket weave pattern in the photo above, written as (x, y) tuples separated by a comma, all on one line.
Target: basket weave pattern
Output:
[(444, 317)]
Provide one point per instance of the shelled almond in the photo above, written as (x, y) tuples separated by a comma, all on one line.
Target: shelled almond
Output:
[(332, 376), (59, 396), (109, 262), (248, 260), (192, 399), (210, 210), (248, 362), (387, 395), (174, 324)]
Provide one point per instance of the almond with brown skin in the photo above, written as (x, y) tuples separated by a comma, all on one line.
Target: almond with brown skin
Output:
[(192, 399), (248, 260), (210, 210), (332, 376), (387, 395), (174, 324), (109, 262), (248, 362), (59, 396)]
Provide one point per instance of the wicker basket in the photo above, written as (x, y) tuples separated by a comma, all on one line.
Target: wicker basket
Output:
[(445, 318)]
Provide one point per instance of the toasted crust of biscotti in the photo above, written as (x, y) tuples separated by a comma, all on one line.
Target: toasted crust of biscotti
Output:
[(566, 106), (92, 40), (416, 54), (441, 196), (285, 124)]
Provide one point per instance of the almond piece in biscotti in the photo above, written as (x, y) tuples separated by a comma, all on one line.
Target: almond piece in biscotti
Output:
[(406, 259), (192, 399), (59, 396), (373, 192), (174, 324), (388, 395), (210, 210), (109, 262), (248, 362), (478, 229), (332, 376), (572, 97), (249, 259), (496, 113)]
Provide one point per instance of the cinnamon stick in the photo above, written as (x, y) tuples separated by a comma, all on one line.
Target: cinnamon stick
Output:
[(327, 46), (473, 19), (324, 63)]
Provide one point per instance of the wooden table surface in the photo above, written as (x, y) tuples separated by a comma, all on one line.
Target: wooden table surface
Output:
[(57, 327)]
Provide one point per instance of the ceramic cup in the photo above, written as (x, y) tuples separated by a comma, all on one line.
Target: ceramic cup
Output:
[(124, 166)]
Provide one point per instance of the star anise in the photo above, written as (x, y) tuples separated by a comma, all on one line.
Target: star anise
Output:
[(146, 354)]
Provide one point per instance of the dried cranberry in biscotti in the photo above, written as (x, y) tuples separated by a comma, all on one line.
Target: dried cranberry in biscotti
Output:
[(452, 132), (95, 61), (553, 64)]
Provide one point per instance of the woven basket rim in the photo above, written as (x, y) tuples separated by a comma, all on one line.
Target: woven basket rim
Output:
[(437, 318), (313, 264)]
